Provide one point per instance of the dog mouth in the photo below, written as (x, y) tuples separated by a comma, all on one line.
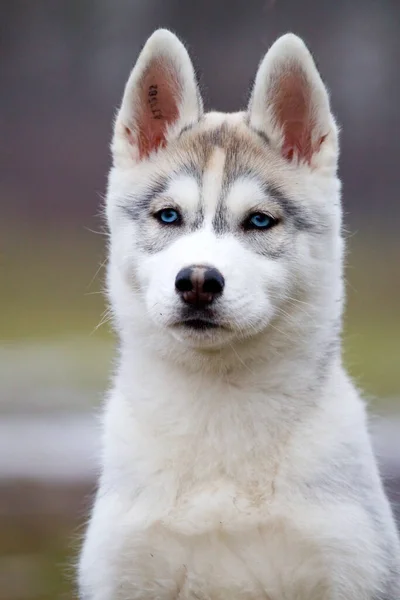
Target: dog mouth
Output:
[(199, 324), (198, 321)]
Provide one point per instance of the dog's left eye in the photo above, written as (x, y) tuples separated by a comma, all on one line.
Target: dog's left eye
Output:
[(259, 220), (168, 216)]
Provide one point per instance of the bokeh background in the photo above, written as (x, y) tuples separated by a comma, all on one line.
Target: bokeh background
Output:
[(63, 65)]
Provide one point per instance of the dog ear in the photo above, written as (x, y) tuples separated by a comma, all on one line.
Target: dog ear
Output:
[(289, 102), (161, 98)]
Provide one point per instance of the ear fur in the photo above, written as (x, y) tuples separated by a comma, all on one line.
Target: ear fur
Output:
[(289, 102), (161, 97)]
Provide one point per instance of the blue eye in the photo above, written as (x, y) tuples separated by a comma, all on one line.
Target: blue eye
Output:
[(259, 220), (168, 216)]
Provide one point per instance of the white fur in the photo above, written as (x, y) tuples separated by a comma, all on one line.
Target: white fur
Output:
[(226, 457)]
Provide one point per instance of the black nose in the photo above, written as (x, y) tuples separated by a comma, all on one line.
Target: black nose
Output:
[(199, 285)]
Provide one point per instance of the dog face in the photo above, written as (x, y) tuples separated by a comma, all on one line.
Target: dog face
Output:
[(221, 223)]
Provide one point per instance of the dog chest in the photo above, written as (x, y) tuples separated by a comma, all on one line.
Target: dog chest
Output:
[(273, 560)]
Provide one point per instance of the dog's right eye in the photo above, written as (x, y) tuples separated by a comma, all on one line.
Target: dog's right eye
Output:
[(168, 216), (260, 221)]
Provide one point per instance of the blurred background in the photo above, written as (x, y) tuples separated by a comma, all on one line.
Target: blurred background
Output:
[(63, 67)]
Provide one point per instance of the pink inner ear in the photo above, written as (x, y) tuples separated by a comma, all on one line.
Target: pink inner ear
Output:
[(158, 100), (294, 114)]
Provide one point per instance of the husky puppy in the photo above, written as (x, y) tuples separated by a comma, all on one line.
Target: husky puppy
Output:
[(236, 460)]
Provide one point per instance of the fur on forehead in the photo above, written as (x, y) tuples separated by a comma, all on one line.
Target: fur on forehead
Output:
[(244, 149), (246, 153)]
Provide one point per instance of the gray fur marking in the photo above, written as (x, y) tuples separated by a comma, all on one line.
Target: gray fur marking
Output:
[(138, 207), (294, 214)]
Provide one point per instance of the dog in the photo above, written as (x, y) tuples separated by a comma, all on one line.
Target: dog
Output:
[(237, 463)]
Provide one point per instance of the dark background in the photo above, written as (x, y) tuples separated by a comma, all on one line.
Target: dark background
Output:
[(63, 66)]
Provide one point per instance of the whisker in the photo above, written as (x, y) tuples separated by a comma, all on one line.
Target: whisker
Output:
[(240, 359), (102, 264), (106, 318)]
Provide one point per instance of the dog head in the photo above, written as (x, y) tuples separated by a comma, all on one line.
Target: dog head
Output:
[(222, 224)]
